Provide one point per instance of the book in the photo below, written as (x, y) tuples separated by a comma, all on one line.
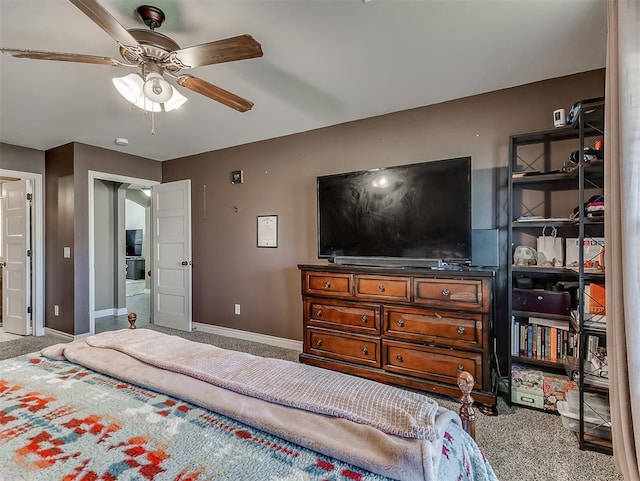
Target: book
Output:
[(542, 321), (595, 299)]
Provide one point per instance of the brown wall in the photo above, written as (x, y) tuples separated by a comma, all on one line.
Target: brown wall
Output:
[(280, 175), (67, 220), (21, 159), (59, 233)]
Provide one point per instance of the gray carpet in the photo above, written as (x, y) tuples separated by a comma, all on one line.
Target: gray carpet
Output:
[(521, 444)]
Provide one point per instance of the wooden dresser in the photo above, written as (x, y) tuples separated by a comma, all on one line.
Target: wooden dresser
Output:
[(417, 328)]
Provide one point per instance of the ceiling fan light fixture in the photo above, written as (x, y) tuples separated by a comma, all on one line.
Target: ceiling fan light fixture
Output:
[(176, 100), (157, 89), (129, 86)]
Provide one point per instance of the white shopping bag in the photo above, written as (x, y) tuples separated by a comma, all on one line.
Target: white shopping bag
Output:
[(550, 252)]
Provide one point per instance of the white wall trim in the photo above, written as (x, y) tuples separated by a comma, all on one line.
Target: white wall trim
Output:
[(114, 311), (249, 336), (37, 246), (65, 336)]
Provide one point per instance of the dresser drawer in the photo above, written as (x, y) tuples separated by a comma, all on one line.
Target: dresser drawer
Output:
[(383, 288), (452, 293), (433, 363), (345, 347), (454, 329), (361, 318), (324, 284)]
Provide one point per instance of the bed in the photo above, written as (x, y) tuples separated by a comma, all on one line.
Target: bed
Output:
[(138, 404)]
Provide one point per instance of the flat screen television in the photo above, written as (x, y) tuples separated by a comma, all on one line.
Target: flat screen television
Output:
[(134, 242), (397, 215)]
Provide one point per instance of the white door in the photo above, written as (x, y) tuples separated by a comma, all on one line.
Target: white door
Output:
[(171, 272), (16, 246)]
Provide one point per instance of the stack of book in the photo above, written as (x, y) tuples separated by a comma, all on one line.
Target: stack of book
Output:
[(541, 338)]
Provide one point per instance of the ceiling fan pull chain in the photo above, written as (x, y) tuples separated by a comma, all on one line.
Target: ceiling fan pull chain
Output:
[(153, 123)]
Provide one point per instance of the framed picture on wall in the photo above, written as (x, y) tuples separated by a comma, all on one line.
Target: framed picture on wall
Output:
[(267, 231)]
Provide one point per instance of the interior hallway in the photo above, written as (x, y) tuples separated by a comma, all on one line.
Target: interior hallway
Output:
[(138, 301)]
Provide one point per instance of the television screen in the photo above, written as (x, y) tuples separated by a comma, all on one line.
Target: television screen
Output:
[(134, 242), (417, 211)]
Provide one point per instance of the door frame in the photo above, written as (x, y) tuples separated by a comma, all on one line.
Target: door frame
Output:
[(37, 246), (93, 176)]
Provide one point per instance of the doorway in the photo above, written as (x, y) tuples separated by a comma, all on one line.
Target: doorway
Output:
[(36, 323), (119, 281)]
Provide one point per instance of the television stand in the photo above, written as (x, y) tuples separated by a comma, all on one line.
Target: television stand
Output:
[(401, 262)]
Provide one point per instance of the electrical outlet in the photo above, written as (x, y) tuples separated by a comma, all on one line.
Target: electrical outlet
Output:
[(56, 310), (236, 309)]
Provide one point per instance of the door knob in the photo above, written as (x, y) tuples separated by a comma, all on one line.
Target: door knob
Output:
[(185, 263)]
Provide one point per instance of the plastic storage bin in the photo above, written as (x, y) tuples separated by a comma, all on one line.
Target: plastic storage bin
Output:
[(593, 426), (595, 405)]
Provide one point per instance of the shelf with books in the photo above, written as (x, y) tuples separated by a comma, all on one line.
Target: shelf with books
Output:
[(541, 340)]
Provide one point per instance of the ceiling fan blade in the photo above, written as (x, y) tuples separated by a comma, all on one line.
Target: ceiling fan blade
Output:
[(64, 57), (97, 13), (216, 93), (227, 50)]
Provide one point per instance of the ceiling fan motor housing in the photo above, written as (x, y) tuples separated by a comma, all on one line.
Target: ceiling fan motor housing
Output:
[(155, 47), (151, 16)]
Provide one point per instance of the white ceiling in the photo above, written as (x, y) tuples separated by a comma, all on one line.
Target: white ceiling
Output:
[(325, 62)]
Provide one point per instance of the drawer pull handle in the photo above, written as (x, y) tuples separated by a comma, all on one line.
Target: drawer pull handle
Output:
[(365, 351), (400, 322), (400, 358), (327, 285), (446, 293), (365, 319), (461, 330), (460, 368), (381, 287), (319, 342), (319, 313)]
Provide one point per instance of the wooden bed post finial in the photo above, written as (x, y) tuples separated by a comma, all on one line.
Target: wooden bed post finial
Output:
[(132, 317), (467, 414)]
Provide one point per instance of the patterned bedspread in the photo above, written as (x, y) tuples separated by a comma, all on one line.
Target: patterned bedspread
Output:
[(62, 421)]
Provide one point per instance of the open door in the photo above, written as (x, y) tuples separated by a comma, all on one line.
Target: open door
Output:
[(16, 248), (172, 264)]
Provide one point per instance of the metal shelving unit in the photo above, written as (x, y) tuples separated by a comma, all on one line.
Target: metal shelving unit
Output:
[(544, 189)]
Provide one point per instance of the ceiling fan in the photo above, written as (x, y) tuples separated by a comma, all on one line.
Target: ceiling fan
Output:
[(156, 55)]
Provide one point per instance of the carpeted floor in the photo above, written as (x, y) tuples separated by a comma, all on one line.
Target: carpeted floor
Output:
[(521, 444)]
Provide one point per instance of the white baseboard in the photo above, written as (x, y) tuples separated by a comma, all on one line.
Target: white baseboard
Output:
[(62, 335), (249, 336), (122, 311)]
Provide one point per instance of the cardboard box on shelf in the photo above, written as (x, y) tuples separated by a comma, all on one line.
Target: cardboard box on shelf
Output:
[(536, 388), (527, 386), (593, 248), (555, 389)]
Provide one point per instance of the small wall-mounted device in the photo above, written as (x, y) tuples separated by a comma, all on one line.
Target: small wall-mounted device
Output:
[(236, 177)]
